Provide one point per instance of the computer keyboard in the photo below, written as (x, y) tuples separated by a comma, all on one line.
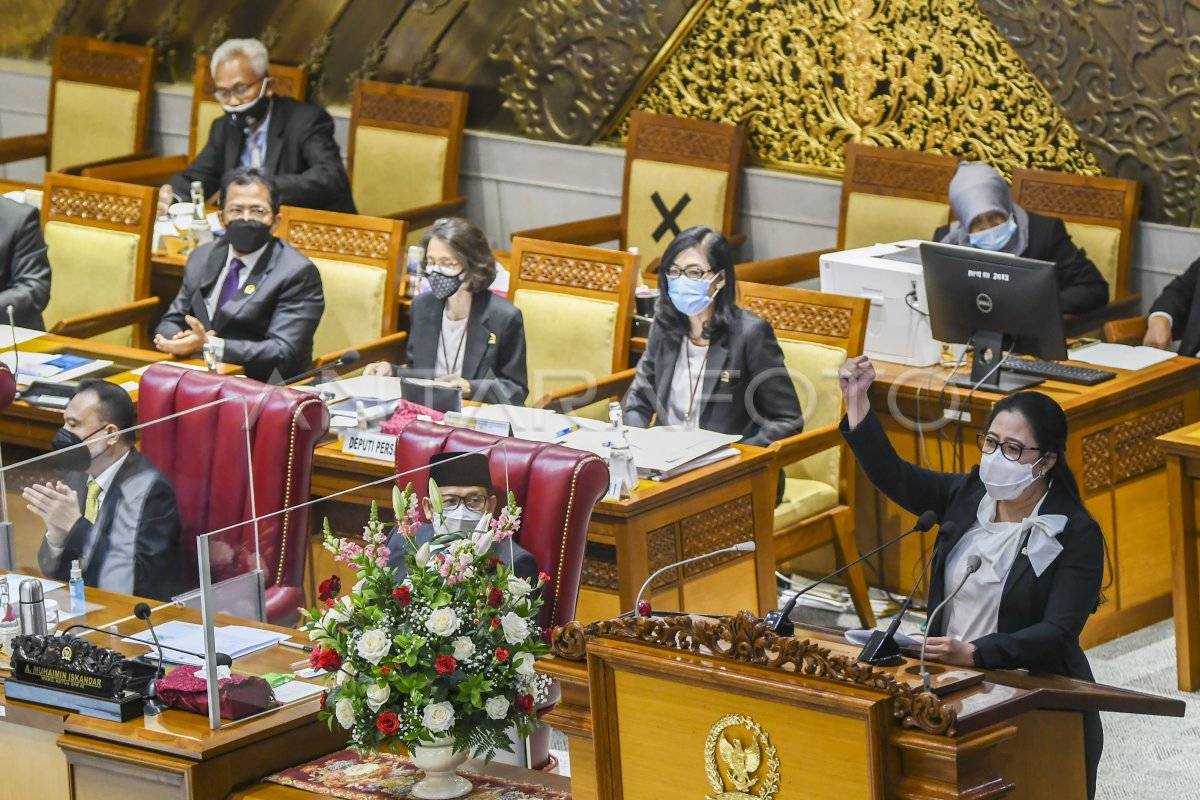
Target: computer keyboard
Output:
[(1054, 371)]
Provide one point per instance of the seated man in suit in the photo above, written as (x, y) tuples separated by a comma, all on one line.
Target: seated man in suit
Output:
[(468, 502), (253, 297), (987, 218), (24, 268), (290, 139), (1176, 315), (115, 513)]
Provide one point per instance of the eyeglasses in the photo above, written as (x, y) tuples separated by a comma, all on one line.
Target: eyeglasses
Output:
[(259, 213), (241, 91), (475, 502), (694, 273), (1010, 450), (445, 266)]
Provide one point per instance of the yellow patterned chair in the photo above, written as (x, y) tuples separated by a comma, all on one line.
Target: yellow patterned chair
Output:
[(285, 81), (358, 258), (99, 107), (888, 195), (1100, 214), (817, 332), (678, 173), (404, 153), (577, 303), (98, 235)]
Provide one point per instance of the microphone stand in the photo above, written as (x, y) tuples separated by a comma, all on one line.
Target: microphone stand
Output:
[(973, 563), (740, 547), (153, 705)]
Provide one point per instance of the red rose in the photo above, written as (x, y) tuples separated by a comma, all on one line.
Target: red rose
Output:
[(494, 562), (388, 723), (543, 577), (403, 595), (525, 704), (385, 669), (330, 587), (495, 597), (547, 635), (330, 659), (445, 665), (501, 654), (495, 622)]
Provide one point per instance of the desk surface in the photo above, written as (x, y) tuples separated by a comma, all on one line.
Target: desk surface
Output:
[(176, 733)]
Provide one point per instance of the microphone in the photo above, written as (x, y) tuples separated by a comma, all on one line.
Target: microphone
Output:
[(881, 648), (780, 621), (973, 563), (346, 359), (643, 608), (223, 659), (142, 611)]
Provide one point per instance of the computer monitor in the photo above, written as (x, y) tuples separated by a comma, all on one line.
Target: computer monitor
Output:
[(997, 302)]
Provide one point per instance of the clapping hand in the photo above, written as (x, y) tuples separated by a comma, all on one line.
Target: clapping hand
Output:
[(58, 506)]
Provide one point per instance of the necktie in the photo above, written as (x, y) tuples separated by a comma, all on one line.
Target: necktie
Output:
[(91, 508), (232, 284)]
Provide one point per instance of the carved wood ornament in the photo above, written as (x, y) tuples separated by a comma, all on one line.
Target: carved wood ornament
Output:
[(744, 638)]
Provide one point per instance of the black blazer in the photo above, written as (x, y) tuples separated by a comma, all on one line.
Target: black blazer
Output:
[(268, 327), (301, 154), (142, 499), (524, 565), (1081, 287), (1181, 300), (1040, 617), (24, 268), (746, 388), (493, 355)]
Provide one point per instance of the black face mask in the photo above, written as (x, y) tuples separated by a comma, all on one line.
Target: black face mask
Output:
[(248, 115), (71, 456), (442, 286), (247, 235)]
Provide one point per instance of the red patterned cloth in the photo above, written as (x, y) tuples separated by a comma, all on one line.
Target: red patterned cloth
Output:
[(241, 695), (383, 776), (407, 411)]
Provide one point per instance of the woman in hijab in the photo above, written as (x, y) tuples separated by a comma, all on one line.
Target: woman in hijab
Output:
[(988, 219)]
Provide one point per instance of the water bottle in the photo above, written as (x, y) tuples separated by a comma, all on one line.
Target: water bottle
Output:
[(615, 415), (78, 592), (416, 258), (33, 608)]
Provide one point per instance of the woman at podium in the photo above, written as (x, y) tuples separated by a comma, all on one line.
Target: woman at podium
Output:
[(1042, 554), (709, 363)]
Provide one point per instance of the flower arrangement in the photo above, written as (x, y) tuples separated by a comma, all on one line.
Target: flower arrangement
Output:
[(448, 652)]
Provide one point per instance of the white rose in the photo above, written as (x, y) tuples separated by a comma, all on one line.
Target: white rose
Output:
[(373, 645), (518, 587), (344, 711), (464, 648), (346, 672), (443, 622), (497, 707), (377, 695), (524, 664), (438, 717), (515, 628)]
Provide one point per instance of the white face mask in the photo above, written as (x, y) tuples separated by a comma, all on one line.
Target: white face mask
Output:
[(458, 520), (1004, 479)]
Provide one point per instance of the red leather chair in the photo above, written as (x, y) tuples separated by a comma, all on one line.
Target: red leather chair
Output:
[(204, 456), (556, 487), (8, 387)]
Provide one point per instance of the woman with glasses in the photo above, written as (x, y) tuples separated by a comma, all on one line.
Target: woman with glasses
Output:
[(1042, 554), (460, 333), (708, 363)]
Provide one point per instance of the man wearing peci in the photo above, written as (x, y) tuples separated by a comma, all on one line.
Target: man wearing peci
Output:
[(252, 296), (114, 511), (288, 138)]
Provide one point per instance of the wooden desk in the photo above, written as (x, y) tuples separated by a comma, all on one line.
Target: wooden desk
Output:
[(713, 507), (33, 426), (636, 714), (1182, 450), (1111, 449), (57, 753)]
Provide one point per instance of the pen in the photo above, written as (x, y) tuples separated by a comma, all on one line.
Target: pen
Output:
[(297, 645), (565, 431)]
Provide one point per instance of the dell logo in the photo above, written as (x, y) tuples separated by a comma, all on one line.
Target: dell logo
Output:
[(983, 302)]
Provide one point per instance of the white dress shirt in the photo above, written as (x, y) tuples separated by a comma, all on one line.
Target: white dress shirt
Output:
[(687, 384), (210, 302), (452, 347)]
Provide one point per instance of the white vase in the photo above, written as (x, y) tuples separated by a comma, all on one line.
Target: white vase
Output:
[(439, 760)]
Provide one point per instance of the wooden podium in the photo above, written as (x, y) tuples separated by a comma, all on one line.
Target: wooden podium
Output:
[(723, 708)]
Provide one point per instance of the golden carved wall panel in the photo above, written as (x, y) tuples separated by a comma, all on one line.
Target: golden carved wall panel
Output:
[(808, 78), (716, 528)]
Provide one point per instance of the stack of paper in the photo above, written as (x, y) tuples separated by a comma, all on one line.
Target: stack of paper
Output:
[(234, 640), (1120, 356), (29, 367)]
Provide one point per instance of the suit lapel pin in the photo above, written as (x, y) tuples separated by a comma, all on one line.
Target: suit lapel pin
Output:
[(1025, 550), (724, 376), (249, 288), (491, 338)]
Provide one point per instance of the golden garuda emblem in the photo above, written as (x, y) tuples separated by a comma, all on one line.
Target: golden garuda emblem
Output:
[(739, 760)]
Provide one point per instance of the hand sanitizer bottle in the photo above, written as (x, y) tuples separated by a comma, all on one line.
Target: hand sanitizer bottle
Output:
[(78, 596)]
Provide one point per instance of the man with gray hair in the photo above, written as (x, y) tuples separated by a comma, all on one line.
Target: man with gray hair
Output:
[(291, 140)]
